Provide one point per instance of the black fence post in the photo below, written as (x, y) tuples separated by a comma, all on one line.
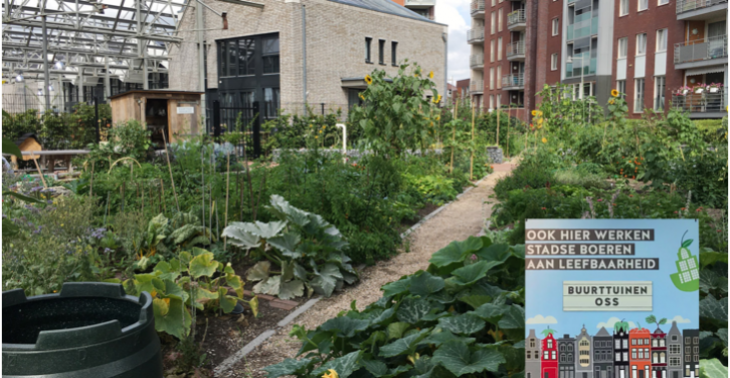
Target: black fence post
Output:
[(216, 118), (322, 108), (96, 117), (257, 129)]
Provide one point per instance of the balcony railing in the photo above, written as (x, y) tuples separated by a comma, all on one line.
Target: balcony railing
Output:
[(513, 81), (701, 102), (516, 17), (476, 61), (477, 86), (709, 48), (515, 49), (690, 5), (477, 7), (475, 35)]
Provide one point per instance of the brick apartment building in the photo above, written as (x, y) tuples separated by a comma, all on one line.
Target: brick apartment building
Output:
[(282, 54), (647, 49)]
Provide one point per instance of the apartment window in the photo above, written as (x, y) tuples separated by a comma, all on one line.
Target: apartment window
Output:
[(499, 20), (661, 40), (493, 24), (556, 26), (643, 5), (270, 52), (641, 44), (659, 88), (639, 96), (491, 51), (494, 2), (491, 106), (623, 8), (499, 48), (623, 47), (368, 41), (393, 53), (271, 102), (491, 78), (663, 2), (381, 51), (499, 105), (554, 67), (499, 77)]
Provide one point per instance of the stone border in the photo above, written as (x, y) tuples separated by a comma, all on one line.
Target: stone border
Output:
[(248, 348)]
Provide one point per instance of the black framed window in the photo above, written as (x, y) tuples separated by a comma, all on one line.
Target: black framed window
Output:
[(270, 53), (393, 53), (246, 61), (381, 51), (271, 102), (368, 42)]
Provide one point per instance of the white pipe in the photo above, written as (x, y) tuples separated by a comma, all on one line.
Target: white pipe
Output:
[(344, 141)]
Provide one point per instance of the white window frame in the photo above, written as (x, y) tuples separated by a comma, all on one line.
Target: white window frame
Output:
[(494, 2), (499, 77), (554, 62), (639, 94), (491, 50), (623, 8), (639, 45), (662, 47), (499, 101), (662, 2), (638, 5), (499, 48), (623, 47), (491, 101), (556, 26), (493, 23), (491, 78), (621, 87), (500, 16), (659, 92)]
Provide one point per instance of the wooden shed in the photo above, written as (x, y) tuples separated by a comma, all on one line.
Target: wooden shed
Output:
[(28, 142), (176, 113)]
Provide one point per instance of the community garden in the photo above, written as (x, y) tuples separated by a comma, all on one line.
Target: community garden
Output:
[(227, 243)]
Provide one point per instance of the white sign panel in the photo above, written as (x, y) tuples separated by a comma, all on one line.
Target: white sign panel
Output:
[(185, 110), (607, 295)]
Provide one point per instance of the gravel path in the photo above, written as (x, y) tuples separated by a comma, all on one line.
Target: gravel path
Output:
[(461, 219)]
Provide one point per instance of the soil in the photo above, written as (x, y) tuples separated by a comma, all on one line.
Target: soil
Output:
[(463, 218)]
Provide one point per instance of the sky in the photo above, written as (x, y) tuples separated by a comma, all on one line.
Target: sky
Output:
[(456, 14), (544, 294)]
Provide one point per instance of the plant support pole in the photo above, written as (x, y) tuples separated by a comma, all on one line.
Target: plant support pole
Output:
[(471, 159), (453, 137), (169, 168)]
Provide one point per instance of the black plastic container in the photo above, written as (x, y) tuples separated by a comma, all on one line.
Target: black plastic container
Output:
[(89, 329)]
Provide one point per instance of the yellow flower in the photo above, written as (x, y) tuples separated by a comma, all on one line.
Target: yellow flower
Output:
[(368, 79), (437, 99), (544, 140), (316, 137), (438, 118), (311, 126), (331, 373), (414, 358), (534, 113), (361, 97), (611, 102), (320, 131), (430, 75), (614, 93)]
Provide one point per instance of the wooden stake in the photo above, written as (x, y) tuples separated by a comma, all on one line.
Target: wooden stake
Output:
[(162, 195), (228, 183), (471, 159), (499, 110), (509, 120), (169, 168), (38, 167), (453, 137)]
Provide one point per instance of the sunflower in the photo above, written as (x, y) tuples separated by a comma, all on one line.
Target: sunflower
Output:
[(438, 118), (611, 102), (544, 140), (368, 79), (430, 75), (614, 92), (361, 96), (534, 113), (331, 373), (437, 99)]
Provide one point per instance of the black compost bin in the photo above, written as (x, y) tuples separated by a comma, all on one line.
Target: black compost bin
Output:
[(89, 329)]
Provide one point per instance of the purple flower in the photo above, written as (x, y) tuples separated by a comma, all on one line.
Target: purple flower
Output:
[(107, 250), (35, 189), (474, 257)]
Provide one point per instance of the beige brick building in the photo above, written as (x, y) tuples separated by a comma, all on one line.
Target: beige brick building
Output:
[(336, 32)]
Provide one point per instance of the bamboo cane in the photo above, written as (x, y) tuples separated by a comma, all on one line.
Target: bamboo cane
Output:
[(162, 195), (471, 159), (499, 110), (509, 120), (38, 167), (228, 183), (453, 137), (169, 168)]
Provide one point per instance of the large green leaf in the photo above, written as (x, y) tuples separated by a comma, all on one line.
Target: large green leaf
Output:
[(344, 366), (464, 324), (412, 310), (455, 252), (345, 327), (239, 236), (490, 312), (709, 257), (10, 148), (270, 286), (405, 345), (287, 244), (425, 284), (513, 318), (291, 289), (458, 359), (439, 337), (299, 217), (376, 367), (259, 272), (203, 265), (289, 366), (397, 287), (472, 273), (712, 369), (711, 308), (395, 330), (176, 321), (22, 197)]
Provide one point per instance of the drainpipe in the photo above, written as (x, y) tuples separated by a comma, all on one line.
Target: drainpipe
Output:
[(445, 37), (304, 58), (199, 21)]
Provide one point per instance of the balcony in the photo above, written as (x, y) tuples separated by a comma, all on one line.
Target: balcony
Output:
[(477, 9), (693, 10), (475, 35), (513, 82), (420, 4), (516, 20), (702, 105), (476, 86), (516, 51), (708, 52), (477, 62)]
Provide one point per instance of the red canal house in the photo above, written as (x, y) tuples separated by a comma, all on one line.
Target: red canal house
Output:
[(549, 360), (640, 345)]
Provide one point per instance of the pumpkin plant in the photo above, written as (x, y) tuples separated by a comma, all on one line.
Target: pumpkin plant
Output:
[(193, 280), (300, 251), (167, 235)]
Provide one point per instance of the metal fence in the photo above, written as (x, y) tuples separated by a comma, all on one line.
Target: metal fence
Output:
[(709, 48), (701, 102), (690, 5)]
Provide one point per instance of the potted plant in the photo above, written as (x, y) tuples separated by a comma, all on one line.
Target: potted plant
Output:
[(714, 87), (682, 91), (699, 88)]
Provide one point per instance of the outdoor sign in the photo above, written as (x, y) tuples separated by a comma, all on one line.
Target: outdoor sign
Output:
[(609, 298), (185, 110)]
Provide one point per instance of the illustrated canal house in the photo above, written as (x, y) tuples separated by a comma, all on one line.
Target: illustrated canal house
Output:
[(691, 352), (621, 352), (549, 361), (674, 349), (640, 359), (603, 354), (658, 354), (532, 356), (584, 365), (566, 353)]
